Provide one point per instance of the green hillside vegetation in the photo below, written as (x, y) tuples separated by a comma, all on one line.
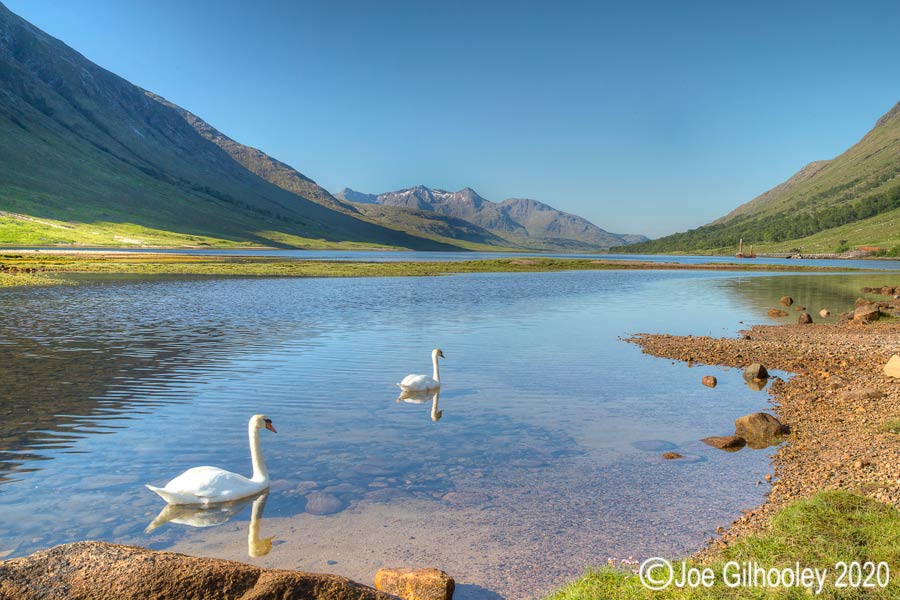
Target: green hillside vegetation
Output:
[(854, 199), (88, 158)]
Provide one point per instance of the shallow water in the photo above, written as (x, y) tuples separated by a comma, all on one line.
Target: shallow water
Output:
[(546, 457)]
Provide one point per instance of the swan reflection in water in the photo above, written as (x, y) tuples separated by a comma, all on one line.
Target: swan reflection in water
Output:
[(211, 515), (411, 397)]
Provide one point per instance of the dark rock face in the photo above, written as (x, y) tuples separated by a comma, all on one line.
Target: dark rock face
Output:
[(415, 584), (97, 570), (805, 318)]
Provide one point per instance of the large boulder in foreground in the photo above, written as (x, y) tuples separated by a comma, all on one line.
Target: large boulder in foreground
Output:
[(97, 570), (759, 430), (415, 584)]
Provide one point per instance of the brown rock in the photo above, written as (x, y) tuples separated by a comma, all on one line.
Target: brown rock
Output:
[(824, 313), (861, 394), (755, 372), (862, 302), (777, 313), (759, 430), (731, 443), (892, 368), (415, 584), (799, 308), (867, 313), (887, 291), (805, 318), (97, 571), (323, 503), (671, 455), (786, 301), (709, 381)]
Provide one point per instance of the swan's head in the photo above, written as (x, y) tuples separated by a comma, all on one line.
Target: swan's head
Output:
[(437, 353), (262, 421)]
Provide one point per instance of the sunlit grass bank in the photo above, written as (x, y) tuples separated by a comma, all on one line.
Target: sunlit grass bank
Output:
[(45, 268), (817, 532)]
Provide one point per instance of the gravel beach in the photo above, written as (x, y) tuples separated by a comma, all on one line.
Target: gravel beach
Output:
[(837, 404)]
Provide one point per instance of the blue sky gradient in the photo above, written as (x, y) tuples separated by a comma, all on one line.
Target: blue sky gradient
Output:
[(650, 117)]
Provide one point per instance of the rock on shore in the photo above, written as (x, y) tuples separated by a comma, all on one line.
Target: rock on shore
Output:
[(415, 584), (97, 570)]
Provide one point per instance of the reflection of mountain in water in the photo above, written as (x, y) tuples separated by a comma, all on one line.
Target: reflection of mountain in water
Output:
[(75, 359)]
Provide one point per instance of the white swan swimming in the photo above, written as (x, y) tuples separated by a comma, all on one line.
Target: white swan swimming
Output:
[(209, 485), (423, 383)]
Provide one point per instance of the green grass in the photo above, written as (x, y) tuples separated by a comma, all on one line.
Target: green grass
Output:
[(53, 265), (891, 426), (818, 532)]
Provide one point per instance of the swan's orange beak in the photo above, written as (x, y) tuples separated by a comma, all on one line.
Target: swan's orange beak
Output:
[(270, 427)]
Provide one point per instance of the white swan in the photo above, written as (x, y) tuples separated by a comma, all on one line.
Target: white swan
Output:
[(423, 383), (208, 485)]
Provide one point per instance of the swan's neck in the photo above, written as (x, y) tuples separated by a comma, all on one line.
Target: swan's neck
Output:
[(260, 473), (437, 372)]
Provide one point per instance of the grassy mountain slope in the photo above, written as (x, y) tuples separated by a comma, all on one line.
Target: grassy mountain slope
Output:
[(88, 158), (854, 198)]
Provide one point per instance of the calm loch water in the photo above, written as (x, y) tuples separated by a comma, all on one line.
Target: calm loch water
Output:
[(542, 456)]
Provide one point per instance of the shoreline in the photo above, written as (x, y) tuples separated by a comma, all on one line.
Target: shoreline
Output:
[(837, 403), (36, 268)]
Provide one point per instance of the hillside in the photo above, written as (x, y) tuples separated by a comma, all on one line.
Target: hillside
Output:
[(88, 158), (851, 200), (516, 222)]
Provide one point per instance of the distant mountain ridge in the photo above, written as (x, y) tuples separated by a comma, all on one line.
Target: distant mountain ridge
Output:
[(850, 200), (521, 222)]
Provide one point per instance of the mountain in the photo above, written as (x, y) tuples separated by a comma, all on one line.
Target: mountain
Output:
[(88, 158), (850, 200), (358, 197), (518, 222)]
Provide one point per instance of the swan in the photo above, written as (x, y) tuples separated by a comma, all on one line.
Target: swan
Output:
[(424, 383), (209, 485)]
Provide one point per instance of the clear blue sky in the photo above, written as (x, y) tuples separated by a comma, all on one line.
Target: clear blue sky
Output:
[(645, 117)]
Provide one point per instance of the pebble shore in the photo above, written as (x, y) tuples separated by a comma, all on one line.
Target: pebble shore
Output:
[(837, 404)]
